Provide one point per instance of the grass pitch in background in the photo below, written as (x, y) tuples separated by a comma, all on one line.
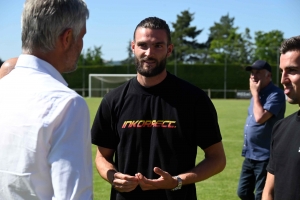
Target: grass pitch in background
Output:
[(231, 115)]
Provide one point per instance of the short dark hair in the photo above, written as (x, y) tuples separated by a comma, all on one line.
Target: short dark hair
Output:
[(291, 44), (154, 23)]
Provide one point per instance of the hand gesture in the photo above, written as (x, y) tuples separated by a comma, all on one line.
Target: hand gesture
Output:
[(124, 182), (254, 86), (165, 181)]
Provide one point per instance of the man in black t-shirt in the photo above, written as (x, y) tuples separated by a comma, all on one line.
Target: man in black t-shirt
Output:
[(283, 179), (148, 130)]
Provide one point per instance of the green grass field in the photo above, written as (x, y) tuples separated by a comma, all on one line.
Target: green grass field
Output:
[(232, 116)]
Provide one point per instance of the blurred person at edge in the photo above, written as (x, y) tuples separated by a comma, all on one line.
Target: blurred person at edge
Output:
[(45, 148), (283, 178), (7, 67)]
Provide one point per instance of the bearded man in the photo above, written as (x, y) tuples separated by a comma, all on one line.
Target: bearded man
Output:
[(148, 129)]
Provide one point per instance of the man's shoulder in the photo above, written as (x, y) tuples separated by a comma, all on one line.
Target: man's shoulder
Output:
[(287, 121), (120, 89), (186, 86), (57, 88), (276, 89), (55, 91), (274, 92), (289, 118)]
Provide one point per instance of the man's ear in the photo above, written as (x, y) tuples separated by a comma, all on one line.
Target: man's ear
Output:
[(169, 50), (67, 38), (132, 46)]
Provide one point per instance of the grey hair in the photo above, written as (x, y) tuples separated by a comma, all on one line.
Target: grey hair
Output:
[(43, 21), (267, 73), (291, 44)]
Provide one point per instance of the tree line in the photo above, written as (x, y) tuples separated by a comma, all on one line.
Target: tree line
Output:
[(225, 44)]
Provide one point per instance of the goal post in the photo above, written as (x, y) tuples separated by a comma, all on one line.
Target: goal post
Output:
[(100, 84)]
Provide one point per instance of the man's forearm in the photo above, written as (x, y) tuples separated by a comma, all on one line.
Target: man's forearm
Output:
[(267, 196), (258, 110), (105, 168), (213, 163), (268, 192), (260, 114)]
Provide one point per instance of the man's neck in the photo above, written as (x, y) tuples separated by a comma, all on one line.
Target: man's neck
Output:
[(151, 81), (51, 57)]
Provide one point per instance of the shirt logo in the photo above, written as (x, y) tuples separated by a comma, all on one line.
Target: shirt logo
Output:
[(149, 124)]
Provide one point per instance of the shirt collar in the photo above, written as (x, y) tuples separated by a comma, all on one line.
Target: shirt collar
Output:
[(268, 87), (35, 63)]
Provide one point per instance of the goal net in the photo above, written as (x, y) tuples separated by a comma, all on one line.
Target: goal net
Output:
[(100, 84)]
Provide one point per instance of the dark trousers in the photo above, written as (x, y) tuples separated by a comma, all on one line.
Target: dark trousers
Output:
[(253, 178)]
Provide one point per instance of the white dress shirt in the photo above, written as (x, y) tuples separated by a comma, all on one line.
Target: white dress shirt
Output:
[(45, 142)]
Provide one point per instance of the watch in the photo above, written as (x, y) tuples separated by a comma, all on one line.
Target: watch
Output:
[(179, 180)]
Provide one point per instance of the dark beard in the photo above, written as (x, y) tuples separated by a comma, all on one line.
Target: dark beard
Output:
[(160, 67)]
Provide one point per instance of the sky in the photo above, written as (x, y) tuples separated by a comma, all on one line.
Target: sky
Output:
[(111, 23)]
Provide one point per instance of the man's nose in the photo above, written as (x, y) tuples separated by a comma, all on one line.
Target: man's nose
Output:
[(149, 51), (284, 78)]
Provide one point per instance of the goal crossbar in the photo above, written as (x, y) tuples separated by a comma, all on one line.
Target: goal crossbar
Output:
[(108, 78)]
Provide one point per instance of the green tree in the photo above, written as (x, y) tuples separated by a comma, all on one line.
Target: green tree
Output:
[(186, 47), (247, 50), (205, 51), (130, 59), (267, 45), (227, 44), (92, 56)]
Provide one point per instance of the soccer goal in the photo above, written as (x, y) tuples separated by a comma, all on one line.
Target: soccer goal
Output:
[(100, 84)]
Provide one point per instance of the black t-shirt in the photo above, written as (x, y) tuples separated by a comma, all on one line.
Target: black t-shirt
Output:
[(160, 126), (284, 161)]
